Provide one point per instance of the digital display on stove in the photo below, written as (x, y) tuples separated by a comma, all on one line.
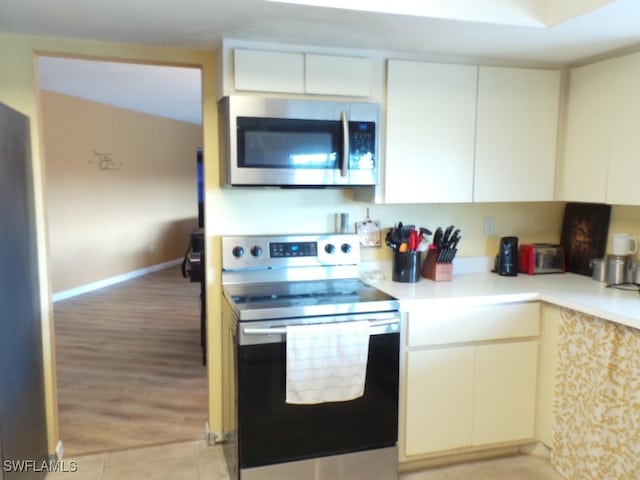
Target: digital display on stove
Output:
[(293, 249)]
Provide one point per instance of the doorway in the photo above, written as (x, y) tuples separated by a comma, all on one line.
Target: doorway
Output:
[(120, 146)]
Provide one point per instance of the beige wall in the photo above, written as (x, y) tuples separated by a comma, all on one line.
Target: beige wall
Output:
[(231, 211), (135, 214)]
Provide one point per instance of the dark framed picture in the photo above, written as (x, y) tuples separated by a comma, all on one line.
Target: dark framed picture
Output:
[(585, 227)]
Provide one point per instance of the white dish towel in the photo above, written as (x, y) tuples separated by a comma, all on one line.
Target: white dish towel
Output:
[(326, 362)]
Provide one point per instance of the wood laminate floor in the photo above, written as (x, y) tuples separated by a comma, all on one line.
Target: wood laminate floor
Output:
[(129, 365)]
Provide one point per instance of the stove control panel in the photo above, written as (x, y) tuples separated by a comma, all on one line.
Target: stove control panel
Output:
[(264, 252)]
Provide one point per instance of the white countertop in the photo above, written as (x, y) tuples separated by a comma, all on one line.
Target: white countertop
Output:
[(576, 292)]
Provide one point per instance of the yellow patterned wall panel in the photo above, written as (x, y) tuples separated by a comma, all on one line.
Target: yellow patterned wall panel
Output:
[(597, 400)]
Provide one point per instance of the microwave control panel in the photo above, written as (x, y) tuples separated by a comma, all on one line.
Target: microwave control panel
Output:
[(362, 145)]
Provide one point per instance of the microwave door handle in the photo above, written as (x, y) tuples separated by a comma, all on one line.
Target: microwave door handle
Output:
[(345, 143)]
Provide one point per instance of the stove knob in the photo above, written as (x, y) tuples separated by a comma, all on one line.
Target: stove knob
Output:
[(329, 248), (238, 252), (256, 250), (346, 248)]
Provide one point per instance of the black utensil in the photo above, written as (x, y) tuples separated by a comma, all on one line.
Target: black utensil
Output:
[(446, 236), (454, 243), (406, 231), (437, 238), (395, 234)]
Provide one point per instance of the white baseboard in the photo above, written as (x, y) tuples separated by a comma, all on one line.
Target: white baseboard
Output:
[(59, 450), (74, 292)]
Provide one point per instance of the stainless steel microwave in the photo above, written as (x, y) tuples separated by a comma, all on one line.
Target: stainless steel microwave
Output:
[(295, 142)]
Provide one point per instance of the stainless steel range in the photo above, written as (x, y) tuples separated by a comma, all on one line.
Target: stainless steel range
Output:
[(273, 287)]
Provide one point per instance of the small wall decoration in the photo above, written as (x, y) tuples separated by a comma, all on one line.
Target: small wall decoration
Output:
[(369, 232), (105, 161)]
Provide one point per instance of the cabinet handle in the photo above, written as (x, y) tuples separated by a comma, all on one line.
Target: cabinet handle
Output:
[(283, 330)]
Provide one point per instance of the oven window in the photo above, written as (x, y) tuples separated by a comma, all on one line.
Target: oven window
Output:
[(272, 431), (287, 143)]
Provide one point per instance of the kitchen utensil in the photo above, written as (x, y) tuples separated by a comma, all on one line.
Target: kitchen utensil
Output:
[(414, 240), (624, 244), (437, 238), (616, 267), (599, 269), (454, 243), (389, 241), (395, 234), (447, 236), (405, 231)]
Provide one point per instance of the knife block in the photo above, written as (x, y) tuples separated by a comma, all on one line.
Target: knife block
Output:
[(438, 272)]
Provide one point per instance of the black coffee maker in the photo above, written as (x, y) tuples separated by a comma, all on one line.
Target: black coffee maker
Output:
[(507, 258)]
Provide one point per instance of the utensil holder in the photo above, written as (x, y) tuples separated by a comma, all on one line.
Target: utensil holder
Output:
[(406, 267), (438, 272)]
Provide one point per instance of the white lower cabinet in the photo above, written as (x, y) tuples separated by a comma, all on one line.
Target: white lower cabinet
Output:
[(504, 396), (479, 389), (439, 399)]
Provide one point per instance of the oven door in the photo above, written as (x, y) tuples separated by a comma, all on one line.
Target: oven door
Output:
[(271, 431)]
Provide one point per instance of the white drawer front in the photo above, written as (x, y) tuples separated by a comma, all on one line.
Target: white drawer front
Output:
[(451, 324)]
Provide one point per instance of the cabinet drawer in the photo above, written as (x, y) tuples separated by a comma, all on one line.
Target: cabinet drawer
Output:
[(450, 324)]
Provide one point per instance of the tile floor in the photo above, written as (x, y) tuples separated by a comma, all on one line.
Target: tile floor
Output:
[(195, 461)]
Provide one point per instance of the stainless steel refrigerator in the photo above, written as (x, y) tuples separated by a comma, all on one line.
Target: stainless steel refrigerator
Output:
[(23, 434)]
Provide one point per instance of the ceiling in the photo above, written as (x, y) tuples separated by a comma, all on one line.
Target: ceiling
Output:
[(550, 32), (171, 92)]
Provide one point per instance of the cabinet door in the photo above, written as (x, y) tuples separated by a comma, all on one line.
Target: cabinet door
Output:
[(624, 159), (264, 71), (438, 399), (331, 75), (516, 134), (505, 392), (582, 168), (430, 132)]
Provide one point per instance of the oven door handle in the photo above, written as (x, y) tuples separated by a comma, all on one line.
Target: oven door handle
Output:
[(283, 330)]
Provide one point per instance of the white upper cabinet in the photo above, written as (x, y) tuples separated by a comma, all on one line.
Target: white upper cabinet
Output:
[(430, 132), (268, 71), (601, 161), (583, 166), (332, 75), (624, 160), (462, 133), (517, 123), (287, 72)]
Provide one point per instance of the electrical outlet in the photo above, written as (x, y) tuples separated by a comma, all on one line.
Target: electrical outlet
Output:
[(489, 226)]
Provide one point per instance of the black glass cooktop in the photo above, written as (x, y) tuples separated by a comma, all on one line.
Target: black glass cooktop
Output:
[(326, 297)]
